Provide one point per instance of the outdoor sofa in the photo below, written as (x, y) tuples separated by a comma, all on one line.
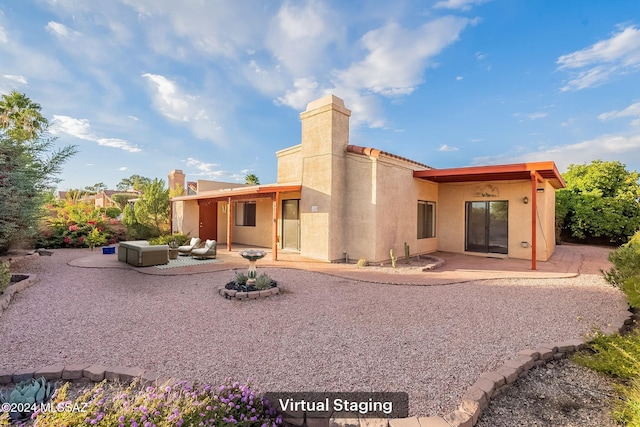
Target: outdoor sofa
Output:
[(140, 254)]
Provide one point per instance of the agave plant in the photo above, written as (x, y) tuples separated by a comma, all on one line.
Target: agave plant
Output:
[(26, 396)]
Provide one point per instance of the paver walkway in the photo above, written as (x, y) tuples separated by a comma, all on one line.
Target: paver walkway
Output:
[(567, 261)]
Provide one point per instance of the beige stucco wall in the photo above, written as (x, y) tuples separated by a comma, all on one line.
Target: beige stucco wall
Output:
[(290, 165), (382, 208), (451, 214), (186, 217), (325, 135), (260, 235)]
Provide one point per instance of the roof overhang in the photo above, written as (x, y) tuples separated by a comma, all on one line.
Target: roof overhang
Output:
[(512, 172), (256, 191)]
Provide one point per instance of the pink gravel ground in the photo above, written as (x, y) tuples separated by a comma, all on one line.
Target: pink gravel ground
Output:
[(324, 333)]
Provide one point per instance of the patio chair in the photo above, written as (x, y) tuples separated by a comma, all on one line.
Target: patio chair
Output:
[(186, 249), (207, 251)]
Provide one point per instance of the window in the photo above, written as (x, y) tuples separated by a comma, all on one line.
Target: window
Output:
[(426, 219), (246, 214)]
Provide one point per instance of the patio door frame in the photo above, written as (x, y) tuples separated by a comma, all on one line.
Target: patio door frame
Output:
[(494, 234), (291, 226)]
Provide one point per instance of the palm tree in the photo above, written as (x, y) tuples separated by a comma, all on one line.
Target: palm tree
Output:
[(21, 117), (251, 179)]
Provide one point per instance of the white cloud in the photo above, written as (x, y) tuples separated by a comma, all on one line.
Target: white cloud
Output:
[(3, 35), (445, 147), (598, 63), (61, 30), (481, 56), (17, 79), (458, 78), (458, 4), (398, 56), (81, 129), (123, 168), (173, 103), (300, 34), (304, 90), (532, 116), (632, 110), (208, 170), (604, 147)]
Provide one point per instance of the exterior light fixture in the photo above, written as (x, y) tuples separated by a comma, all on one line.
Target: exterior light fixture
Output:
[(525, 200)]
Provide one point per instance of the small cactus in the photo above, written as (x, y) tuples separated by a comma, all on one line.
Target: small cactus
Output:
[(263, 281), (28, 394), (406, 253), (362, 262), (393, 259)]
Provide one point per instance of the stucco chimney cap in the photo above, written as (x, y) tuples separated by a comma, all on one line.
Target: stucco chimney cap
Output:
[(327, 100), (174, 171)]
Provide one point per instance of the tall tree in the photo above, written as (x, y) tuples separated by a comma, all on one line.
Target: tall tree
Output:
[(601, 200), (20, 117), (152, 209), (28, 167), (251, 179), (134, 182), (96, 187)]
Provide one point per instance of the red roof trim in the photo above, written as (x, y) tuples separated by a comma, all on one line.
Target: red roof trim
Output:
[(374, 152), (516, 171)]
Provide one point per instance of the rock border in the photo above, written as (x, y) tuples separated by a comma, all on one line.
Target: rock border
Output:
[(83, 373), (5, 297), (243, 296)]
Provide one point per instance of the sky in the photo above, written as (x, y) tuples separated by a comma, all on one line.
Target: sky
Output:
[(216, 87)]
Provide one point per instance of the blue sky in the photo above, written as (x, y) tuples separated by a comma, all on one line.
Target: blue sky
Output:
[(216, 87)]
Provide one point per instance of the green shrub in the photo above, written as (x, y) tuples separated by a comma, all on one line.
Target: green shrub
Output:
[(626, 264), (166, 239), (5, 276), (614, 355), (631, 287), (112, 212), (362, 262)]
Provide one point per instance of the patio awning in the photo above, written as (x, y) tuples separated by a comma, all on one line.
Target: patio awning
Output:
[(256, 191), (510, 172), (534, 172)]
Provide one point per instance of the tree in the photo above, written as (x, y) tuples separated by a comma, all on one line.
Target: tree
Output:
[(134, 182), (251, 179), (21, 117), (95, 188), (601, 200), (152, 209), (28, 167), (122, 199)]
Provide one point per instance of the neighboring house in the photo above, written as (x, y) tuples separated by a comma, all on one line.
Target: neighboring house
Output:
[(102, 199), (335, 201)]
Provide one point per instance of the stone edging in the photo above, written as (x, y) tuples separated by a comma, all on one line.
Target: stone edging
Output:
[(241, 296), (6, 296), (83, 374)]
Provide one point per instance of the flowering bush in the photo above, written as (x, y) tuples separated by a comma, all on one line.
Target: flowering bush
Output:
[(178, 405), (75, 224)]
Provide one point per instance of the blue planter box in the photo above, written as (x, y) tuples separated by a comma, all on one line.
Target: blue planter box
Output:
[(108, 250)]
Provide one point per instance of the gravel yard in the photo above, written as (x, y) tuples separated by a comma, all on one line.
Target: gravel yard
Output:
[(325, 333)]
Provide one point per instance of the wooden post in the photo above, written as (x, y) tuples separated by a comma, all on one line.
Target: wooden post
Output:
[(534, 223), (229, 223), (274, 237)]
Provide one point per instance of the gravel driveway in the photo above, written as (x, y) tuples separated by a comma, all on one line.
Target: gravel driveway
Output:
[(324, 333)]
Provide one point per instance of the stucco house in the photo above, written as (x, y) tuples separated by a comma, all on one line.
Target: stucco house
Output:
[(334, 201)]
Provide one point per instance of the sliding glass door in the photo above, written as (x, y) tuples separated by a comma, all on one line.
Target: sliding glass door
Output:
[(487, 227)]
